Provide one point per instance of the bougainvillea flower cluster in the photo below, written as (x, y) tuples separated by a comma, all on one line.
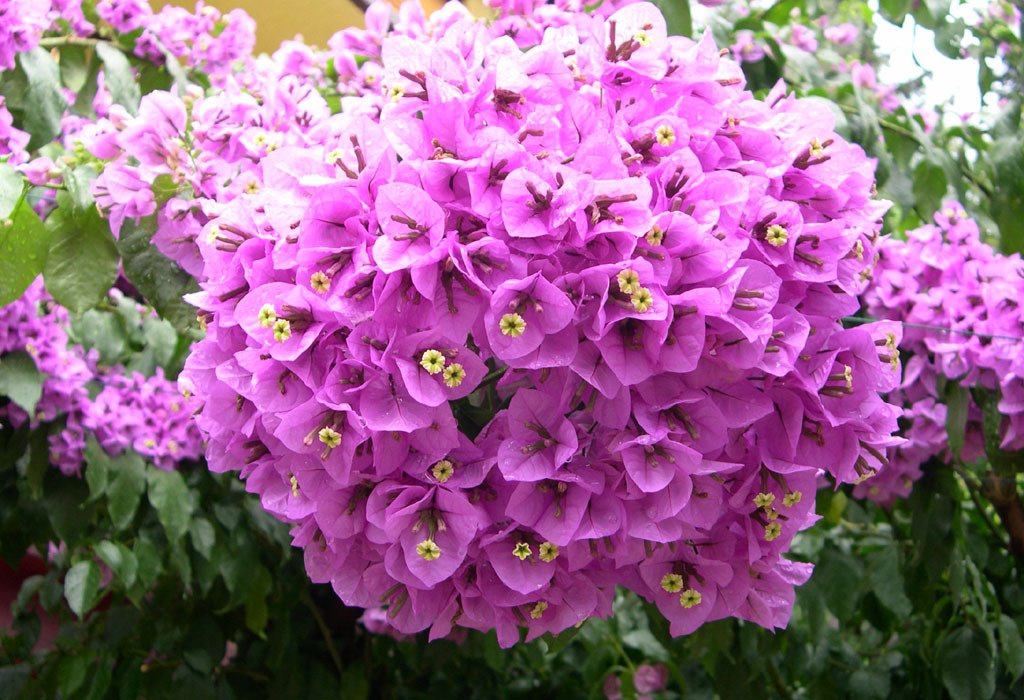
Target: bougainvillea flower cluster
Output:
[(552, 305), (961, 303), (80, 397)]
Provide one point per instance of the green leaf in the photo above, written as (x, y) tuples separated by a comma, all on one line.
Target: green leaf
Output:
[(256, 612), (964, 661), (21, 381), (81, 586), (354, 684), (71, 674), (158, 278), (74, 67), (83, 261), (12, 186), (118, 77), (44, 102), (1007, 208), (957, 403), (646, 643), (24, 242), (120, 560), (929, 187), (894, 10), (126, 489), (203, 536), (150, 564), (677, 16), (97, 468), (170, 496), (886, 580), (66, 503), (839, 576), (1012, 647)]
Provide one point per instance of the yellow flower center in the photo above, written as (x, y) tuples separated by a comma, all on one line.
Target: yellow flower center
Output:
[(320, 282), (267, 316), (282, 330), (655, 236), (772, 530), (538, 610), (295, 485), (329, 437), (642, 299), (629, 281), (690, 598), (776, 235), (671, 583), (665, 135), (428, 549), (432, 361), (548, 551), (522, 551), (453, 375), (791, 498), (443, 470), (512, 325), (763, 500)]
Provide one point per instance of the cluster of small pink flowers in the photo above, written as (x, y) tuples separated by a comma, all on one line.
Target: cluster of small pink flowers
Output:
[(552, 305), (12, 141), (961, 301), (22, 23), (147, 414)]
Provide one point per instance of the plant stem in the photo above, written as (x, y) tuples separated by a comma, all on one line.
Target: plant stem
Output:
[(324, 630)]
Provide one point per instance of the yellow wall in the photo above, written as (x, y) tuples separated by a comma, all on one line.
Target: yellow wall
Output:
[(277, 20)]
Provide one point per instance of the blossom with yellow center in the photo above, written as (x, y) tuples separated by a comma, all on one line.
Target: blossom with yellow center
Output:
[(329, 437), (443, 470), (267, 316), (665, 135), (395, 93), (655, 236), (816, 148), (522, 551), (453, 375), (538, 610), (548, 551), (772, 531), (671, 583), (512, 325), (432, 361), (320, 282), (690, 598), (776, 235), (642, 38), (642, 299), (763, 500), (428, 549), (282, 330), (295, 485), (791, 498), (629, 281)]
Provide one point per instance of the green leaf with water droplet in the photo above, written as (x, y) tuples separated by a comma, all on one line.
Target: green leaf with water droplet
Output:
[(24, 243), (156, 276), (44, 103)]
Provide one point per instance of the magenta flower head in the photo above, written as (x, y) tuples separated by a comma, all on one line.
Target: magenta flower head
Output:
[(549, 298)]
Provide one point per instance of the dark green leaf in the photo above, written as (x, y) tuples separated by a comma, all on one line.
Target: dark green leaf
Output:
[(1011, 647), (71, 674), (120, 560), (957, 403), (97, 468), (24, 242), (1007, 160), (158, 278), (126, 489), (21, 381), (886, 580), (964, 661), (82, 263), (118, 77), (44, 102), (894, 10), (169, 495), (67, 507), (929, 187), (81, 586), (256, 612), (148, 558), (203, 536), (74, 67)]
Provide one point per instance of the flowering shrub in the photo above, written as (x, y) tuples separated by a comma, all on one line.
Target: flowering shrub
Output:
[(516, 324), (960, 301), (488, 372)]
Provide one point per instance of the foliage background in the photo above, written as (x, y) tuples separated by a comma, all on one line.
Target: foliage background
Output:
[(178, 585)]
